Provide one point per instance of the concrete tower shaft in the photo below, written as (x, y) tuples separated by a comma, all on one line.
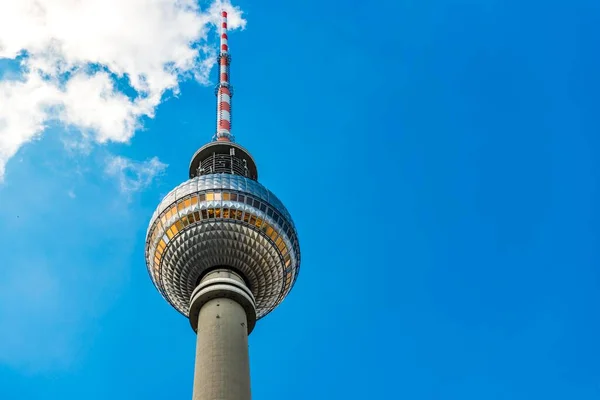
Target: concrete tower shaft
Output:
[(222, 310)]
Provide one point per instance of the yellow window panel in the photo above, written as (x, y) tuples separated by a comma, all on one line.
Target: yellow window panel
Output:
[(217, 213), (188, 203), (210, 196), (226, 196), (194, 201), (179, 225), (181, 206)]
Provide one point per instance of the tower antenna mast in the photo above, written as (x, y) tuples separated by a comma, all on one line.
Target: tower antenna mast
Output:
[(224, 90)]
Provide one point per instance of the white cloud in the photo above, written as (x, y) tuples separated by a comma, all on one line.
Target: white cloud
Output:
[(76, 56), (133, 176)]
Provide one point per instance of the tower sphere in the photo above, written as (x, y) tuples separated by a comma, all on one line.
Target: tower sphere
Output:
[(222, 217)]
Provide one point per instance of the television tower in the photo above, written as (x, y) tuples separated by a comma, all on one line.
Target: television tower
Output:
[(223, 250)]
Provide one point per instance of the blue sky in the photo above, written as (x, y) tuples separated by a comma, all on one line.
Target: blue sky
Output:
[(440, 159)]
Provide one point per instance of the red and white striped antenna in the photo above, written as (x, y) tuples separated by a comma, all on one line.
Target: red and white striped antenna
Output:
[(224, 91)]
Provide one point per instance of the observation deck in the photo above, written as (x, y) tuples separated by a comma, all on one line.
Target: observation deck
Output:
[(222, 217)]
